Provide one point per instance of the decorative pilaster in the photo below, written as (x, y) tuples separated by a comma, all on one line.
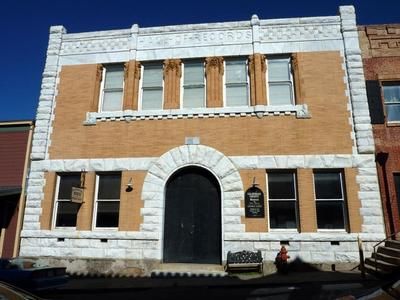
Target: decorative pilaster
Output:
[(96, 94), (296, 58), (214, 73), (172, 78), (131, 85), (257, 70)]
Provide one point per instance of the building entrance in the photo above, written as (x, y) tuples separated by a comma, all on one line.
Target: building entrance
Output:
[(192, 222)]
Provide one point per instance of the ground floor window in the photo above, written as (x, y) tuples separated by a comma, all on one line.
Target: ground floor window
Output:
[(282, 202), (329, 198), (65, 210), (108, 189)]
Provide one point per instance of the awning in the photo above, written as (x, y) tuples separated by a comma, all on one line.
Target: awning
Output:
[(9, 190)]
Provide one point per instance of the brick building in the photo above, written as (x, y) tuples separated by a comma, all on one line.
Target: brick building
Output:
[(190, 141), (15, 143), (380, 45)]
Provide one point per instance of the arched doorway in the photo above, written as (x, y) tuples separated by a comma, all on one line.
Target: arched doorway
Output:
[(192, 220)]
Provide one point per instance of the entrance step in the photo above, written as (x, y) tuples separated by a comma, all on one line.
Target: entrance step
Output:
[(189, 270)]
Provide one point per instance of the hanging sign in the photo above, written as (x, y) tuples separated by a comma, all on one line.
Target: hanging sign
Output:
[(254, 203)]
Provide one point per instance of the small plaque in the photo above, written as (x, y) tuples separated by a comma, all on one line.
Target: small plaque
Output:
[(77, 195), (254, 203)]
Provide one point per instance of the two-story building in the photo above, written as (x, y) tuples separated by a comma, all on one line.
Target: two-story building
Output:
[(380, 46), (182, 143)]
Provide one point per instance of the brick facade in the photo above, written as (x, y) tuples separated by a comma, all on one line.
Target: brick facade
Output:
[(380, 46)]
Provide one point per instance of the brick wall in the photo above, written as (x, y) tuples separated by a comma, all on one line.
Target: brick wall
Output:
[(381, 58), (322, 86)]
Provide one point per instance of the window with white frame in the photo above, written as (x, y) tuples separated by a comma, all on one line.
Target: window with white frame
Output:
[(66, 211), (107, 200), (329, 198), (391, 96), (152, 86), (112, 88), (193, 84), (282, 202), (236, 82), (280, 81)]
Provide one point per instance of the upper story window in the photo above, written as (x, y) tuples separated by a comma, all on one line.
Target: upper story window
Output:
[(193, 84), (236, 82), (152, 86), (329, 197), (282, 200), (112, 88), (65, 211), (391, 97), (107, 200), (280, 81)]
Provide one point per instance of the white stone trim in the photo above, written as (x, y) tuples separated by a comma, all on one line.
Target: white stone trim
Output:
[(42, 131), (199, 40), (356, 81), (300, 111)]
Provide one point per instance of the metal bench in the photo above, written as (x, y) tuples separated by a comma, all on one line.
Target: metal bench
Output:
[(244, 261)]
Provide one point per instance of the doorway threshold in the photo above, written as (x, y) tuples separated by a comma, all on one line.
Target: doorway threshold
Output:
[(189, 270)]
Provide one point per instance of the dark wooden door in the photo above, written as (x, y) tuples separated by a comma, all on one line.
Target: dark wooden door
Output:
[(192, 224)]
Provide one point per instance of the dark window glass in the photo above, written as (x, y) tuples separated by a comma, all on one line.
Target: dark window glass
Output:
[(281, 186), (66, 214), (109, 189), (282, 200), (397, 184), (67, 181), (328, 186), (330, 214), (282, 214), (109, 186), (66, 210), (107, 214)]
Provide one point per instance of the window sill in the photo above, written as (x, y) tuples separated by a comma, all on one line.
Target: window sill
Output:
[(331, 230), (294, 230), (300, 111), (393, 124)]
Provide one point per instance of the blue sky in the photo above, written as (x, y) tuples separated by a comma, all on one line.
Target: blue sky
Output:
[(24, 27)]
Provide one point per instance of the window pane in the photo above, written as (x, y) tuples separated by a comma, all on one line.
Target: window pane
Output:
[(152, 99), (281, 186), (193, 97), (66, 214), (236, 71), (194, 73), (107, 214), (278, 70), (236, 95), (280, 94), (393, 112), (328, 186), (152, 76), (330, 214), (112, 100), (391, 93), (109, 186), (114, 77), (67, 181), (282, 214)]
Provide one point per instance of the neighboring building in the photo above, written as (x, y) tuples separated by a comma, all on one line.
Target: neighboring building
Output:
[(380, 45), (15, 145), (168, 128)]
